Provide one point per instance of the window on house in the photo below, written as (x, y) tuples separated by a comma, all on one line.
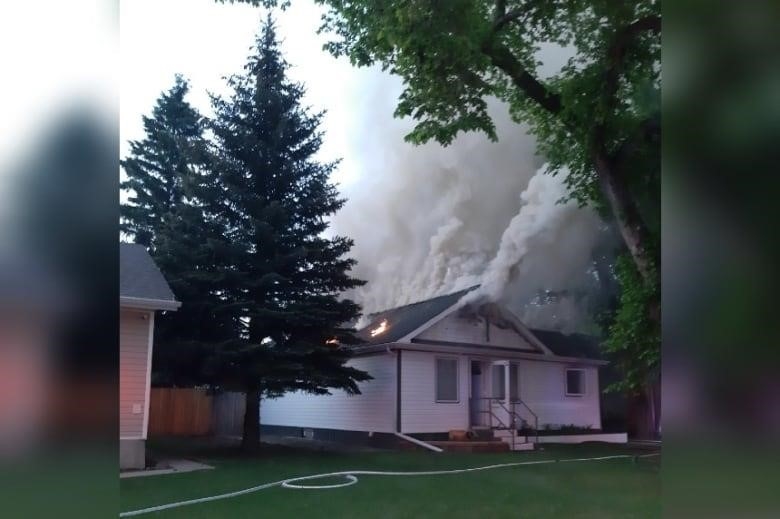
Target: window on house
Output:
[(499, 380), (575, 382), (446, 380)]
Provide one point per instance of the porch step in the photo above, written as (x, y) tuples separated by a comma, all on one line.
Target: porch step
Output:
[(521, 442), (482, 433)]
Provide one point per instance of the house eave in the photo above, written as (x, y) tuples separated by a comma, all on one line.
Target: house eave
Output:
[(509, 353), (148, 304)]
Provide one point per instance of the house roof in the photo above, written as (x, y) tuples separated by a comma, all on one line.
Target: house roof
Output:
[(141, 284), (403, 320), (575, 345)]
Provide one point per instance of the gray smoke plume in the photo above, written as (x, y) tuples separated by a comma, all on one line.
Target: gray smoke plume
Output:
[(429, 220)]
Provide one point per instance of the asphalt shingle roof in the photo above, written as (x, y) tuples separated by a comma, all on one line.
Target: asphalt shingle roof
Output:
[(139, 276), (576, 345), (405, 319)]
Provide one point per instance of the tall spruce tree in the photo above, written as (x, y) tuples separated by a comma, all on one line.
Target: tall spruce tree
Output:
[(172, 186), (158, 166), (284, 276)]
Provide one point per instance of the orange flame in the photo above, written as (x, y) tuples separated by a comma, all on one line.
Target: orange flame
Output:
[(379, 329)]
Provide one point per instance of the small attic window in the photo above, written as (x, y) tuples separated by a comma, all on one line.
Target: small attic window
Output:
[(575, 382)]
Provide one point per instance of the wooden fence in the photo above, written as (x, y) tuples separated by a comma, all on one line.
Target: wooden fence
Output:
[(194, 412), (228, 414)]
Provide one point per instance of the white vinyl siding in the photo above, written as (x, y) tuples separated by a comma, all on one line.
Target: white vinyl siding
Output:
[(133, 369), (372, 410), (543, 389), (420, 413), (462, 330), (540, 384)]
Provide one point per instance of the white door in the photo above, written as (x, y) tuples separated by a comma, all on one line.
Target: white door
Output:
[(499, 386), (476, 404)]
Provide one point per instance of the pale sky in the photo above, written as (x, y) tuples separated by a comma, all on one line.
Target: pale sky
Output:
[(205, 41), (55, 55)]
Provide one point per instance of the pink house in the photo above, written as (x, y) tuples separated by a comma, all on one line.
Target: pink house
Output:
[(143, 292)]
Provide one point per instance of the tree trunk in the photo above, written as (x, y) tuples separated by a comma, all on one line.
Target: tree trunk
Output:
[(633, 230), (644, 411), (639, 425), (250, 442), (654, 399)]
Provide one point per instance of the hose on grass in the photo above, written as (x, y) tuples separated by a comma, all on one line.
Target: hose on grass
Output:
[(351, 477)]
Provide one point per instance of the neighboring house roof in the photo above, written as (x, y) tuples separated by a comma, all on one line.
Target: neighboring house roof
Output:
[(576, 345), (141, 284), (403, 320)]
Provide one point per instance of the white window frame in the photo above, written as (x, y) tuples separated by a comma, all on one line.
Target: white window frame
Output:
[(436, 380), (583, 385)]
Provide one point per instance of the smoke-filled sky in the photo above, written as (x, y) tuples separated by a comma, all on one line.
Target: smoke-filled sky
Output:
[(426, 220)]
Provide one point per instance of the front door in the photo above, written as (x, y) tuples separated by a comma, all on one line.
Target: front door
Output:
[(476, 404), (499, 406)]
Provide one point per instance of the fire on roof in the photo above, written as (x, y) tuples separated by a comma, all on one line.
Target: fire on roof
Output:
[(382, 328)]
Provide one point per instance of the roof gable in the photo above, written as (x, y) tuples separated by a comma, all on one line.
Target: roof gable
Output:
[(439, 321), (403, 320), (475, 328), (140, 280)]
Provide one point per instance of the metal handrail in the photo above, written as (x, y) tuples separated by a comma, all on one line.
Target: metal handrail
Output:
[(536, 417), (512, 418), (512, 413), (491, 414)]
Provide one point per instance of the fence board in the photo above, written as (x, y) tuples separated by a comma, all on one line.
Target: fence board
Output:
[(179, 412), (193, 412), (228, 414)]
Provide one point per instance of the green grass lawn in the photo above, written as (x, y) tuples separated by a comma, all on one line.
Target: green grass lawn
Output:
[(599, 489)]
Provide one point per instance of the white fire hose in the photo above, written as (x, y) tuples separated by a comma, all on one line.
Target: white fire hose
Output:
[(351, 477)]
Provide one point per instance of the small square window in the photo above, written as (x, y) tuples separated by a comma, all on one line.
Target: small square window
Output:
[(447, 380), (575, 382)]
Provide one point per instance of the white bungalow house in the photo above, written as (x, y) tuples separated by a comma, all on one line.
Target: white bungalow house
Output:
[(142, 292), (439, 366)]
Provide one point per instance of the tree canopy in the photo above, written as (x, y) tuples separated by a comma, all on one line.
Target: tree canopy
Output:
[(168, 177)]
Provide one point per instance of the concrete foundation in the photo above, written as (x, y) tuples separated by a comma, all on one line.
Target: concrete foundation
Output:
[(132, 454), (581, 438)]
